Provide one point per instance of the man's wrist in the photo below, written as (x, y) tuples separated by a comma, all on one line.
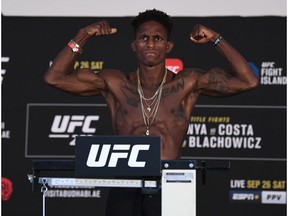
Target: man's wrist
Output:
[(75, 47), (82, 37), (76, 44), (217, 40)]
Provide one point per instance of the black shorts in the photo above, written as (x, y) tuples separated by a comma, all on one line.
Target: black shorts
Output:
[(131, 202)]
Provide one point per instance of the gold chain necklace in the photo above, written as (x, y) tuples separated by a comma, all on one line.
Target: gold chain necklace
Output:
[(152, 103)]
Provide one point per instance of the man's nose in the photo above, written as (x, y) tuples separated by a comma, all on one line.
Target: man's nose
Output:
[(151, 42)]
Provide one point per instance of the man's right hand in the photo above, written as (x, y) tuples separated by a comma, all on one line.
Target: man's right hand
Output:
[(101, 28)]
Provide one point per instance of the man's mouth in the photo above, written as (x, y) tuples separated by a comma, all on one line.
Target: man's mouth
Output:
[(150, 53)]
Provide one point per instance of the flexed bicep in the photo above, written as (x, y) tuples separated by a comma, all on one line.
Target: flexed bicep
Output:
[(61, 73), (84, 82), (217, 82)]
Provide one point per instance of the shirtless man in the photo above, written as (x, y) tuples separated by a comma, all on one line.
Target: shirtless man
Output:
[(151, 100)]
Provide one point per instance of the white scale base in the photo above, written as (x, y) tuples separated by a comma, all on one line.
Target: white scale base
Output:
[(178, 192), (178, 188)]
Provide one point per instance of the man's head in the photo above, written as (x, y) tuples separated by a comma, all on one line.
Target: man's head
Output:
[(153, 15)]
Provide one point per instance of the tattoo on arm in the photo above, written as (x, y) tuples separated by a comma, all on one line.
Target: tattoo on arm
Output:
[(213, 82), (218, 80)]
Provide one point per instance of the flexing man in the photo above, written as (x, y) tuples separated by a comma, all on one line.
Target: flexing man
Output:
[(151, 100)]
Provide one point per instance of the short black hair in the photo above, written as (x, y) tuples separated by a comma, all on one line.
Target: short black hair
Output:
[(153, 15)]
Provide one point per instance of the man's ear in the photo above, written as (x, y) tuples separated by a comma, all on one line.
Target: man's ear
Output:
[(132, 44), (170, 46)]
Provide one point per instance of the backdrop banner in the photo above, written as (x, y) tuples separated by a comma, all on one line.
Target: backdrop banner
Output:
[(247, 130)]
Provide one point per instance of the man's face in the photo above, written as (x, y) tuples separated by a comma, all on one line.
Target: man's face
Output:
[(151, 44)]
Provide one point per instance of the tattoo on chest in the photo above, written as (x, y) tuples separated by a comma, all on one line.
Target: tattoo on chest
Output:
[(178, 86), (180, 115), (131, 94)]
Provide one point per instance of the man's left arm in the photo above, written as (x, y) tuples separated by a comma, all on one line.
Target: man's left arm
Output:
[(217, 82)]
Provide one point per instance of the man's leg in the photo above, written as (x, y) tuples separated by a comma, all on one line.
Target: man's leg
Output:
[(151, 204), (124, 202)]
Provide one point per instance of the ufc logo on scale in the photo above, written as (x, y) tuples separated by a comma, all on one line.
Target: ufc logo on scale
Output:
[(117, 156), (116, 153)]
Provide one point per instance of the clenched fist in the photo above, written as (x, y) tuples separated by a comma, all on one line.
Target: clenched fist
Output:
[(203, 34), (101, 28)]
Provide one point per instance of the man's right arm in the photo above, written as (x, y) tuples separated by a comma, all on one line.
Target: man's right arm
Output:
[(61, 73)]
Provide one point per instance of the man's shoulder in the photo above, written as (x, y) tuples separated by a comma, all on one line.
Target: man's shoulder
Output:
[(191, 72), (112, 73)]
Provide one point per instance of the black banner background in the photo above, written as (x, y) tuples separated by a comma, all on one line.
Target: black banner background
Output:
[(29, 44)]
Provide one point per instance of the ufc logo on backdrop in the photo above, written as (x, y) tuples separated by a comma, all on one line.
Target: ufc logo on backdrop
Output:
[(70, 126), (110, 154), (69, 123)]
